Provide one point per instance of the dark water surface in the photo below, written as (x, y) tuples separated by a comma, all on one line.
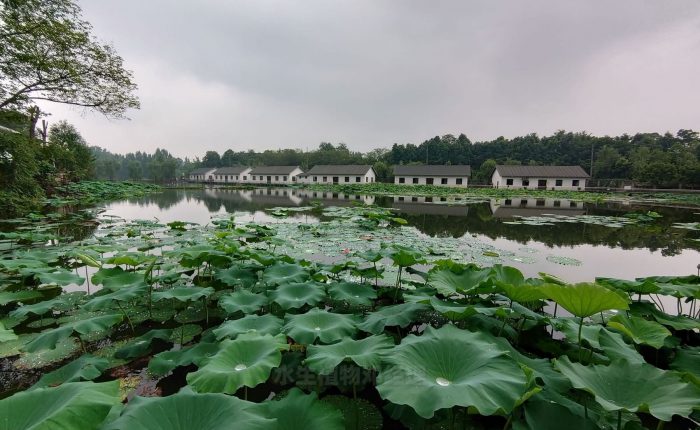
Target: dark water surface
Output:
[(644, 249)]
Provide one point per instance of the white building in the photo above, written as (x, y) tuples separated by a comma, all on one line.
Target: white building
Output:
[(275, 175), (539, 177), (339, 174), (431, 174), (231, 175), (202, 174)]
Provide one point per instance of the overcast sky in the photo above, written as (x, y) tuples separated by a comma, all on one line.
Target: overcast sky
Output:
[(258, 74)]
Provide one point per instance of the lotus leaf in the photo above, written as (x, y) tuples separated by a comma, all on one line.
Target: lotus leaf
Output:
[(100, 301), (85, 368), (542, 414), (246, 361), (19, 296), (640, 330), (182, 294), (142, 344), (634, 388), (403, 256), (432, 372), (297, 294), (584, 299), (366, 353), (265, 324), (74, 405), (396, 315), (60, 277), (448, 281), (299, 411), (187, 410), (237, 277), (676, 322), (49, 338), (283, 273), (688, 360), (358, 414), (6, 334), (318, 324), (165, 362), (615, 347), (242, 301), (116, 278), (352, 293)]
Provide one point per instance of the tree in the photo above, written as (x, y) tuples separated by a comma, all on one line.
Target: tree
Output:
[(485, 171), (228, 159), (47, 52), (68, 152), (211, 159)]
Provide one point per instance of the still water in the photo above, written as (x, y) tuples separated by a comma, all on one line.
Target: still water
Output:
[(645, 249)]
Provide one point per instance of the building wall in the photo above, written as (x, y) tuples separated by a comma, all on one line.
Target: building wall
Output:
[(231, 178), (437, 180), (497, 181), (275, 179), (203, 177), (368, 178)]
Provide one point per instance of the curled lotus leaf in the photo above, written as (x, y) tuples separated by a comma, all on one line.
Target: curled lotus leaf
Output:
[(454, 280), (237, 277), (352, 293), (166, 361), (396, 315), (18, 296), (265, 324), (187, 410), (114, 278), (246, 361), (60, 277), (242, 301), (297, 294), (430, 372), (366, 353), (319, 324), (85, 368), (585, 299), (640, 330), (108, 301), (48, 339), (299, 411), (74, 405), (6, 334), (182, 294), (633, 387)]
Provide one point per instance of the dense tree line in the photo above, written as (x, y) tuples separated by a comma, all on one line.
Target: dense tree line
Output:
[(159, 167)]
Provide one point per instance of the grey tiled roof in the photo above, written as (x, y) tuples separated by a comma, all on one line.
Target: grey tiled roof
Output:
[(273, 170), (542, 171), (433, 170), (201, 170), (233, 170), (339, 169)]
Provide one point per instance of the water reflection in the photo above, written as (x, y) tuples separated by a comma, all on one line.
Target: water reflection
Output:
[(439, 216)]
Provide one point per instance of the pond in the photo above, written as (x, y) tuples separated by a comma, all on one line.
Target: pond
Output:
[(574, 240)]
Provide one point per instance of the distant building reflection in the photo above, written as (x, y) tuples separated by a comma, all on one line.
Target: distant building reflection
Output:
[(525, 207)]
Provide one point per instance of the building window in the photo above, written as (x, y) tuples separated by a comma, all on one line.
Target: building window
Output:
[(574, 182), (540, 202), (508, 202), (428, 199), (366, 179), (347, 179), (509, 181), (526, 182), (245, 178), (572, 204), (443, 181), (277, 178), (415, 180), (414, 199), (558, 183), (253, 177), (325, 179), (523, 202), (400, 199), (459, 181), (358, 179), (315, 180), (557, 203), (402, 180)]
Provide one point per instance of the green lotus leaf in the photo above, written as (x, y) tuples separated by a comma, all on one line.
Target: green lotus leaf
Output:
[(60, 277), (74, 405), (299, 411), (284, 273), (246, 361), (615, 347), (185, 333), (49, 338), (242, 301), (544, 414), (569, 327), (187, 410), (352, 293), (396, 315), (86, 368), (676, 322), (370, 255), (687, 360), (451, 367), (116, 278), (237, 277), (132, 259), (61, 302), (18, 296), (454, 311), (640, 287), (87, 260), (584, 299), (140, 346), (404, 256), (265, 324), (511, 282), (366, 353), (182, 294), (640, 330), (634, 388), (6, 334), (165, 362), (358, 414), (297, 294), (449, 281), (318, 324), (100, 301)]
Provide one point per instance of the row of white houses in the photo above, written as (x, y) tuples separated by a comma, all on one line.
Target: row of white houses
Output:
[(504, 176)]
